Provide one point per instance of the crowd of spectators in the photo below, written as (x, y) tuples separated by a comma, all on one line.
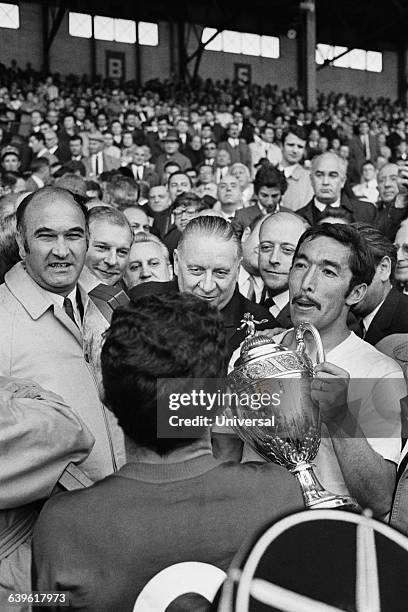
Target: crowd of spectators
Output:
[(138, 225)]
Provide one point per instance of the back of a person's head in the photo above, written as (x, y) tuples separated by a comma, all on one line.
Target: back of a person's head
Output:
[(121, 190), (171, 336)]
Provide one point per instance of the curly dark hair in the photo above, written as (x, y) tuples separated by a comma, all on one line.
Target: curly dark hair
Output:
[(158, 336)]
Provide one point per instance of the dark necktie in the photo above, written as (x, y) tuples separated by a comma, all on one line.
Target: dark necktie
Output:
[(69, 309), (363, 330)]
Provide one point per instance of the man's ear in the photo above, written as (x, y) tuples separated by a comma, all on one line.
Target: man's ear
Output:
[(384, 268), (246, 233), (175, 262), (21, 248), (356, 294)]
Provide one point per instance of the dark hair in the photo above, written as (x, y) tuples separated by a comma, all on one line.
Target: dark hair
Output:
[(296, 130), (94, 186), (269, 176), (189, 198), (179, 172), (76, 137), (55, 191), (335, 213), (158, 336), (38, 136), (210, 226), (361, 260), (379, 245), (172, 163)]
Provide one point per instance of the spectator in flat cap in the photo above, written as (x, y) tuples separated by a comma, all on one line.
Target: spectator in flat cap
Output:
[(171, 145)]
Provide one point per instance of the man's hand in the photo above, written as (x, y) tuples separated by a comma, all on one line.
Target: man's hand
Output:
[(329, 391)]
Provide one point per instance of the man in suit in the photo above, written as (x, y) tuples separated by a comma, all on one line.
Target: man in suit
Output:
[(76, 148), (384, 310), (40, 174), (141, 169), (60, 151), (43, 294), (264, 147), (269, 186), (206, 263), (392, 203), (299, 189), (237, 148), (250, 282), (171, 145), (363, 146), (155, 140), (36, 142), (278, 238), (328, 176), (98, 161)]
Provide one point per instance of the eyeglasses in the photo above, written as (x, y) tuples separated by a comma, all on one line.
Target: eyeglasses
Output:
[(180, 211)]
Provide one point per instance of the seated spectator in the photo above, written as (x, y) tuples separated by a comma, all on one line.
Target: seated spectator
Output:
[(178, 183), (73, 547), (299, 189), (110, 148), (194, 151), (367, 188), (241, 172), (10, 159), (138, 219), (237, 147), (169, 168), (229, 195), (392, 203), (171, 144), (222, 165), (185, 207), (40, 174), (120, 190), (269, 186), (148, 261), (264, 147), (401, 269)]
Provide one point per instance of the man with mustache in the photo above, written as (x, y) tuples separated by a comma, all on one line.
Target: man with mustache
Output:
[(357, 388)]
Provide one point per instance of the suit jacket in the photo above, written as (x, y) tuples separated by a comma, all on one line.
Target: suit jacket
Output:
[(39, 342), (155, 145), (355, 208), (388, 218), (284, 319), (149, 175), (244, 217), (177, 157), (241, 153), (109, 163), (231, 314), (299, 190), (391, 318), (357, 156)]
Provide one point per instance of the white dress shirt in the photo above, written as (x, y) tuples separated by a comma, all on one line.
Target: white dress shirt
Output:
[(244, 284), (369, 318), (280, 302), (59, 301), (322, 207)]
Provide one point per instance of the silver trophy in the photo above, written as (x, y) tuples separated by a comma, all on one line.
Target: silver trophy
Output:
[(285, 426)]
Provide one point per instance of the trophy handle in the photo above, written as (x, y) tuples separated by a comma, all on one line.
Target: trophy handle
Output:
[(301, 346)]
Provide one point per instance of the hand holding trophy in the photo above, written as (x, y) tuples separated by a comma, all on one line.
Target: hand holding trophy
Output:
[(284, 376)]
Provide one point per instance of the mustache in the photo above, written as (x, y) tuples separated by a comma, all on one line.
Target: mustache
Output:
[(300, 296)]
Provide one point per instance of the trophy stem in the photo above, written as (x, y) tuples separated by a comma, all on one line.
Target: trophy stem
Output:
[(315, 496)]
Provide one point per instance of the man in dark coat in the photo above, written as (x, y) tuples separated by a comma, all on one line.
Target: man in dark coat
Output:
[(384, 310), (206, 263), (328, 176)]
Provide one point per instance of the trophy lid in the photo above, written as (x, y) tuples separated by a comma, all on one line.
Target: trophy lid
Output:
[(256, 345)]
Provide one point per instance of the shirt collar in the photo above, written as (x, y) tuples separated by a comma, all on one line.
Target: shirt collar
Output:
[(281, 299), (322, 207), (369, 318)]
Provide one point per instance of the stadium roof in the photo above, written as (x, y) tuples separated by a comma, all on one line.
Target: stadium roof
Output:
[(365, 24)]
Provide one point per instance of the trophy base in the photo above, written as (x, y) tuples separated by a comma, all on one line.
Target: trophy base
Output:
[(335, 502)]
